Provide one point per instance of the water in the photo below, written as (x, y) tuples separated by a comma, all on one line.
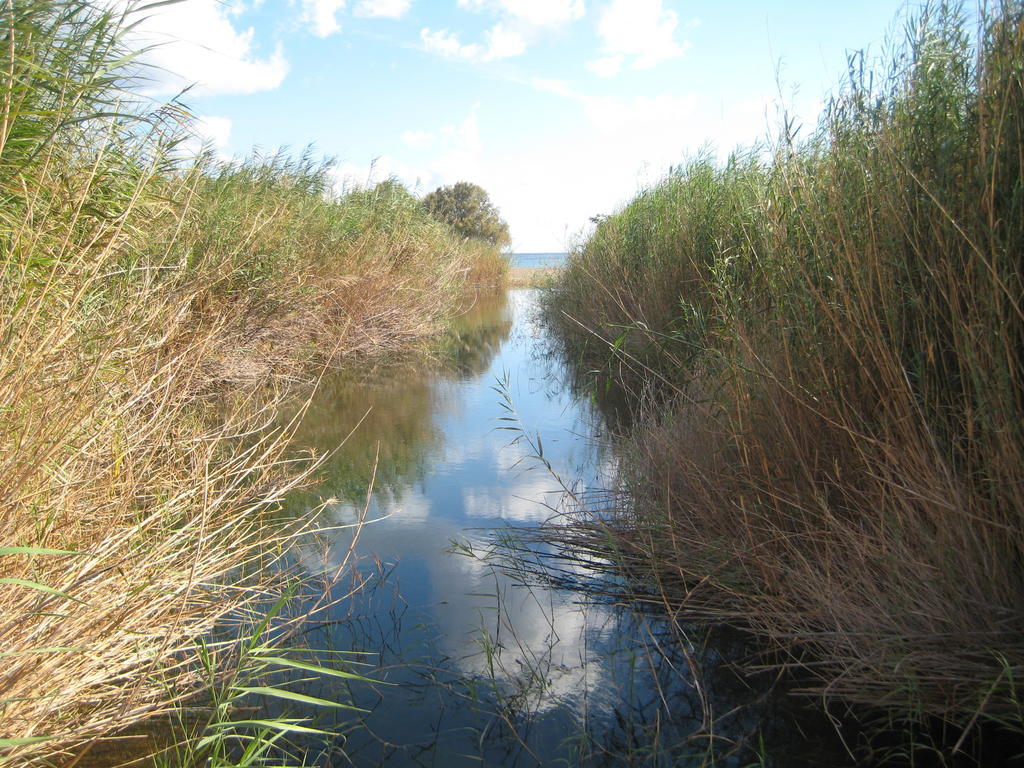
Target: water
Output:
[(539, 259), (475, 663)]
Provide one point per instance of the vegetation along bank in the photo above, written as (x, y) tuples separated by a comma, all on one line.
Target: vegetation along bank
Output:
[(823, 341), (136, 285)]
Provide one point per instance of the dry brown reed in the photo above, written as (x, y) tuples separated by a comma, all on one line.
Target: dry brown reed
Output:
[(834, 456)]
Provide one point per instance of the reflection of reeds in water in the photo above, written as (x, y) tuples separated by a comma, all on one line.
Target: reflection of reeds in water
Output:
[(383, 428), (476, 335), (380, 421)]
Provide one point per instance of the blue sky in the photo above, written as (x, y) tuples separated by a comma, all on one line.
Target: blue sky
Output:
[(561, 109)]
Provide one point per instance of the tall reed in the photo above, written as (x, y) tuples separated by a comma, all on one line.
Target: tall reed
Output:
[(133, 282), (834, 334)]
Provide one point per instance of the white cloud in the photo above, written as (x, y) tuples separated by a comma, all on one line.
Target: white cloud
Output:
[(501, 43), (348, 176), (536, 13), (208, 132), (659, 119), (463, 155), (447, 44), (557, 87), (197, 44), (607, 66), (413, 505), (322, 16), (520, 21), (459, 157), (641, 29), (215, 130), (417, 139), (384, 9)]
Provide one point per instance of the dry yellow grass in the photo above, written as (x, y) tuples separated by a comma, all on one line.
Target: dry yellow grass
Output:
[(136, 292)]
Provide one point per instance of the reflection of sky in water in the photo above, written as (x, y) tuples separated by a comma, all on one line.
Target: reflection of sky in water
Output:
[(477, 476), (472, 650)]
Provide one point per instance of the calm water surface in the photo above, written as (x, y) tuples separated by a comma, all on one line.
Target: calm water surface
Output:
[(481, 665)]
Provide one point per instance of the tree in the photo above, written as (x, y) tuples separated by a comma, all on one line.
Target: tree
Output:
[(468, 210)]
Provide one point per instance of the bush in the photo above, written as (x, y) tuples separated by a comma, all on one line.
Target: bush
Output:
[(468, 210)]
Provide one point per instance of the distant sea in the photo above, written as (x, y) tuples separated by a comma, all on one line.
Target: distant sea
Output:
[(539, 259)]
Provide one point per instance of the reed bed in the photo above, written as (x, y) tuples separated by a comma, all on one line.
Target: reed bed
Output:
[(137, 287), (824, 340)]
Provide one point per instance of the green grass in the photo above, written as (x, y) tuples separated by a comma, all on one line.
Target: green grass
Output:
[(831, 335)]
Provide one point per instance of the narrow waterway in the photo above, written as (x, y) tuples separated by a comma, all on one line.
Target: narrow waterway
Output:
[(480, 664)]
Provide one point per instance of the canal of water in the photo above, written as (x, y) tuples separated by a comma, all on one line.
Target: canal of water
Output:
[(478, 659)]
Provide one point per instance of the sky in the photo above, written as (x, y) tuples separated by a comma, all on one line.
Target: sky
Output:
[(560, 109)]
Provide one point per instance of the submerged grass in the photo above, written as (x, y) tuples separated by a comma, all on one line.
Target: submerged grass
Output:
[(828, 339), (133, 284)]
